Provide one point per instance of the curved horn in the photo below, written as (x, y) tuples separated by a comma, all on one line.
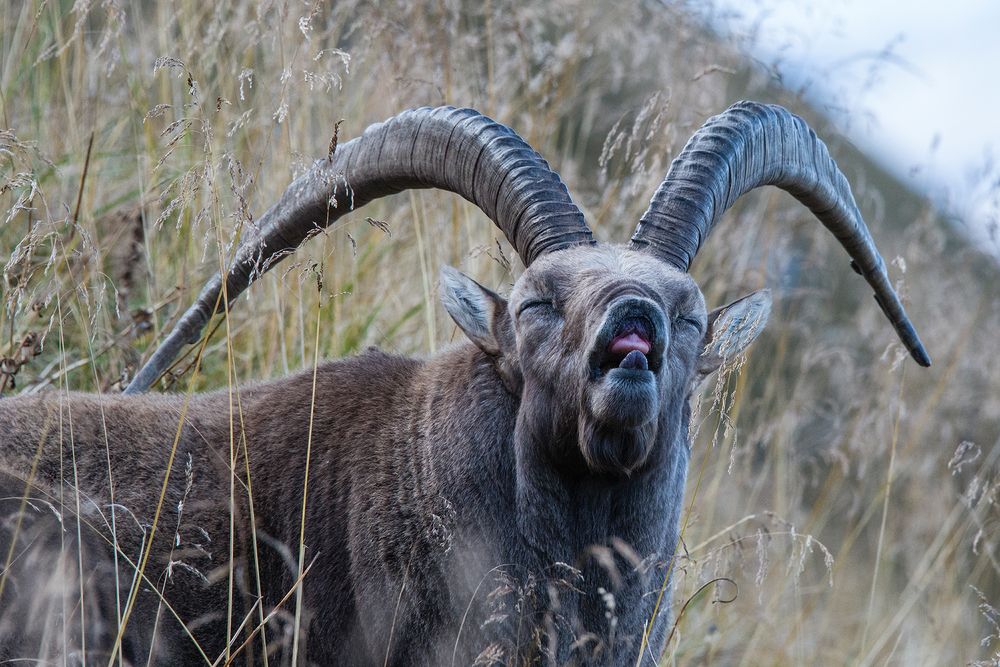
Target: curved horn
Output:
[(453, 149), (745, 147)]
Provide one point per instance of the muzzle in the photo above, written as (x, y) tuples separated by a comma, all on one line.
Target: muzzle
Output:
[(631, 339)]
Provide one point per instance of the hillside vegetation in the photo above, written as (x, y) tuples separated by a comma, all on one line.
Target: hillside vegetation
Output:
[(843, 501)]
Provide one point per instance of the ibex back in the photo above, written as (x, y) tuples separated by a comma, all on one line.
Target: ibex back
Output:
[(514, 499)]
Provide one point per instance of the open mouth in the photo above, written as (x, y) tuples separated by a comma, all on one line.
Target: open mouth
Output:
[(630, 344)]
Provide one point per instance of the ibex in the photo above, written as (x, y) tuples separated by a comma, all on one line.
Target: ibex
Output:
[(513, 499)]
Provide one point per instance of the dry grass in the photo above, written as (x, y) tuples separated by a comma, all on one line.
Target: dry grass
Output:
[(825, 486)]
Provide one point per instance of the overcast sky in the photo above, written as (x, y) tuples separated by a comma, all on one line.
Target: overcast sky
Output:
[(914, 84)]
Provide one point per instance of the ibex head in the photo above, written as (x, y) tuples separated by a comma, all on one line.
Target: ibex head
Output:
[(597, 339), (604, 336), (600, 339)]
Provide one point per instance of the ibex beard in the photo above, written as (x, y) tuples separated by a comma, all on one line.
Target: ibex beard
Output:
[(512, 500)]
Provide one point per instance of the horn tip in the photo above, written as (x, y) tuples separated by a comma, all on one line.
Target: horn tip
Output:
[(920, 355)]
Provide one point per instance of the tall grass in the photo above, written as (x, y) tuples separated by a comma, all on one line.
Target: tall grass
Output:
[(844, 502)]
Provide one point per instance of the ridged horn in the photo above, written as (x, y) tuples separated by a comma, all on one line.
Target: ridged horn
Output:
[(748, 146), (459, 150)]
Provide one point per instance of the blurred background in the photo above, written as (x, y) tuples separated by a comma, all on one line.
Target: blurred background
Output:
[(848, 497)]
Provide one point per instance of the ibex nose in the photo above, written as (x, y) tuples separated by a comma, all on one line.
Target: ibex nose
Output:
[(633, 326), (629, 311)]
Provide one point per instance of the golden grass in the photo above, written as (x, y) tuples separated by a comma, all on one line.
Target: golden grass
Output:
[(823, 482)]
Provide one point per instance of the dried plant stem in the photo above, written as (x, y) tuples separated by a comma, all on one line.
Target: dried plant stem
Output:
[(134, 591), (885, 512), (305, 494)]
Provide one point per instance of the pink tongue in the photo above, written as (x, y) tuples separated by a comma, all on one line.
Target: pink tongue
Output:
[(627, 343)]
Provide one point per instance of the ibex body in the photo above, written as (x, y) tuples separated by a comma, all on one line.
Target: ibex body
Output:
[(515, 497)]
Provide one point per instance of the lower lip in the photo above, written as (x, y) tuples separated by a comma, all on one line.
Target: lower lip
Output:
[(630, 371), (623, 374)]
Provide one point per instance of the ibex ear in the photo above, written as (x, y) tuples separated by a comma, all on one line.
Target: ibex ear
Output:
[(731, 329), (480, 312)]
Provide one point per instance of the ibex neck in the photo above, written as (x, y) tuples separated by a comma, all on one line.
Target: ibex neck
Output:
[(565, 507)]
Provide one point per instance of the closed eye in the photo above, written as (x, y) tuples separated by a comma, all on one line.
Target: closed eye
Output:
[(689, 321), (535, 303)]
